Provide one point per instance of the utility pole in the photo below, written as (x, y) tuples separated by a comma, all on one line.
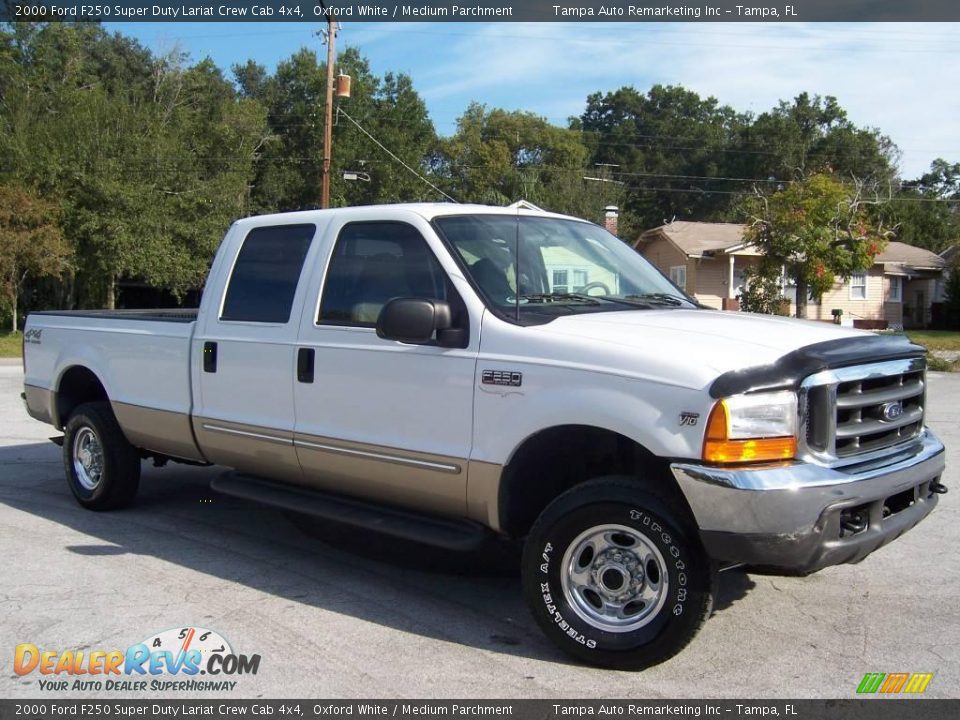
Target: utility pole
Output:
[(328, 110)]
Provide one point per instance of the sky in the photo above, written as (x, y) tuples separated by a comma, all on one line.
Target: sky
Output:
[(898, 77)]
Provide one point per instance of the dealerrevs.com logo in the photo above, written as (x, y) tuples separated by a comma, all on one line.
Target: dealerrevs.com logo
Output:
[(894, 683), (167, 661)]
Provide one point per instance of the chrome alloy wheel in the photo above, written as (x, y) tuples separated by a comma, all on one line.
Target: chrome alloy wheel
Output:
[(614, 578), (87, 458)]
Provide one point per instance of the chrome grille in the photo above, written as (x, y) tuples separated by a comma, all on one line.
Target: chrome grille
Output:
[(860, 412)]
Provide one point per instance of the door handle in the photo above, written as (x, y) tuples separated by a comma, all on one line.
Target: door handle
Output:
[(305, 365), (210, 357)]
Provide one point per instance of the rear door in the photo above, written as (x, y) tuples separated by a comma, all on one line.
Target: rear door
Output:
[(243, 350), (380, 418)]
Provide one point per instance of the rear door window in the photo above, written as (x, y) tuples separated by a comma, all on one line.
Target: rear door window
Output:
[(266, 273)]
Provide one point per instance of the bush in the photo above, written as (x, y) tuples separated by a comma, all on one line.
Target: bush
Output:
[(940, 364), (762, 293)]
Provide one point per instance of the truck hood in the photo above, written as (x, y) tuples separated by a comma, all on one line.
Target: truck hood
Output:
[(691, 345)]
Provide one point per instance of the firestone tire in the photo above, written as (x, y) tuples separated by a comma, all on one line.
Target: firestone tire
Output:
[(614, 577), (102, 467)]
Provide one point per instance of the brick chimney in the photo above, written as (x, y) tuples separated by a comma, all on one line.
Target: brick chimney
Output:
[(610, 216)]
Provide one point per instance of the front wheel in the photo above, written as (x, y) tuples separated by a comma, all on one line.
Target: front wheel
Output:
[(102, 467), (614, 576)]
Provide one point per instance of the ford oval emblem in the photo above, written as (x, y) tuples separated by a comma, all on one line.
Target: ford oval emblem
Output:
[(892, 410)]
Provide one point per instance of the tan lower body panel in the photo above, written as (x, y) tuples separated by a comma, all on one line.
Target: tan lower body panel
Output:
[(160, 431), (420, 481), (39, 403), (483, 493), (249, 448)]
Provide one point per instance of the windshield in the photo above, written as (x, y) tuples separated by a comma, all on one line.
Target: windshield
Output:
[(563, 266)]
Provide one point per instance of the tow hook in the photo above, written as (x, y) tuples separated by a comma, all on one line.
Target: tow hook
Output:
[(938, 488), (853, 522)]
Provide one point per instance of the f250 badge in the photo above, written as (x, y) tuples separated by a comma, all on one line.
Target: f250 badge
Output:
[(689, 418), (502, 377)]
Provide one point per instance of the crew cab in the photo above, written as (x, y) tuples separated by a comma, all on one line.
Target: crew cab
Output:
[(447, 372)]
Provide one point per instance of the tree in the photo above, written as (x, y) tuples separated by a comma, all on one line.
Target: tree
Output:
[(289, 169), (148, 159), (498, 156), (31, 244), (816, 230), (926, 211), (798, 138), (668, 144)]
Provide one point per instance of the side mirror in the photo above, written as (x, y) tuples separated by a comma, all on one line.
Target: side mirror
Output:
[(413, 320)]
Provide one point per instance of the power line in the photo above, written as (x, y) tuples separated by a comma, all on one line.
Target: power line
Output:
[(151, 174), (791, 44), (730, 137), (383, 147)]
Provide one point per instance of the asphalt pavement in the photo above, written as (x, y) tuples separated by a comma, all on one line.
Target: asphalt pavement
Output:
[(337, 614)]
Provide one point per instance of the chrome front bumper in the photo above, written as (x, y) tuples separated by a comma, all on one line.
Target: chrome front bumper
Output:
[(790, 516)]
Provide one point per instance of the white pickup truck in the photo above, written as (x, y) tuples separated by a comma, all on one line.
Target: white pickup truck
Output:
[(448, 372)]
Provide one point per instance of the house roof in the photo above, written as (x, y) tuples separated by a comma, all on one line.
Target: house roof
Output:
[(898, 253), (697, 238)]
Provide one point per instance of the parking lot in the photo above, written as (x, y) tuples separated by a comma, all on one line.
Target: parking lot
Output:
[(337, 614)]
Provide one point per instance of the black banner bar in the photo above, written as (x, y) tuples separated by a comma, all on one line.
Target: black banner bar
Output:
[(481, 10), (873, 709)]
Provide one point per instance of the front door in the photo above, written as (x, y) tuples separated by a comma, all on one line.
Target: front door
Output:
[(381, 418)]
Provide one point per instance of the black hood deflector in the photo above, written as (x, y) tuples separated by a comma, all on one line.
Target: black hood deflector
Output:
[(789, 371)]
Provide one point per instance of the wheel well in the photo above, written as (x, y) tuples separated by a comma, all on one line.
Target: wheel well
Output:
[(554, 460), (78, 385)]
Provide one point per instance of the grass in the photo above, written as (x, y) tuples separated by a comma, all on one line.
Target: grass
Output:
[(10, 344), (936, 339), (942, 364)]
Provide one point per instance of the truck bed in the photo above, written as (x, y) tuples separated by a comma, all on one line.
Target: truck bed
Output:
[(182, 315), (142, 356)]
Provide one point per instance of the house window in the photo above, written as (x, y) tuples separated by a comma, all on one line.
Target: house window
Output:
[(858, 286), (678, 276), (560, 281), (895, 293)]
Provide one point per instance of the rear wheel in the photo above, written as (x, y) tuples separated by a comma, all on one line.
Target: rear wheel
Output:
[(614, 576), (102, 468)]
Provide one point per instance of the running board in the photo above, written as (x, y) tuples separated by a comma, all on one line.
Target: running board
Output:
[(462, 535)]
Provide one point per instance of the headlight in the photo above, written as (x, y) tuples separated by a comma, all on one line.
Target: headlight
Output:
[(752, 428)]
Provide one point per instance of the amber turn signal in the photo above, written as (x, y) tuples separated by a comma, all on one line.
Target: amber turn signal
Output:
[(718, 448)]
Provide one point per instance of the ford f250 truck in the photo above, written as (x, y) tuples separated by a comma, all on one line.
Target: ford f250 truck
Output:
[(446, 372)]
